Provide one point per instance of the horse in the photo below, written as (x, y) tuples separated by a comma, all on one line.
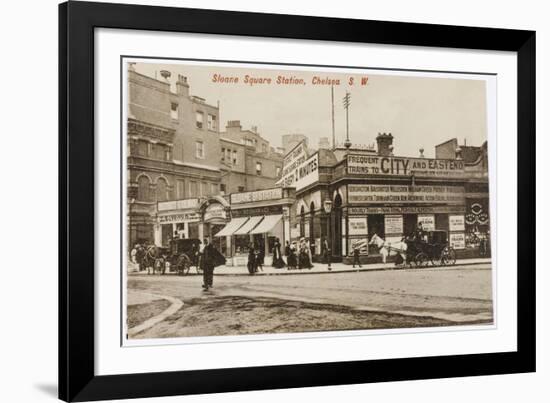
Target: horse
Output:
[(152, 260), (389, 248)]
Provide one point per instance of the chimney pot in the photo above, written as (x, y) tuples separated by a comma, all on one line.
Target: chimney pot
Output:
[(384, 142)]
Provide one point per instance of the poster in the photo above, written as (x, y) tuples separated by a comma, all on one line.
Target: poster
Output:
[(457, 240), (393, 224), (361, 243), (456, 223), (358, 226), (428, 222)]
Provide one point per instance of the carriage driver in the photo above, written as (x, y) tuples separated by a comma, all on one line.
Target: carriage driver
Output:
[(419, 233)]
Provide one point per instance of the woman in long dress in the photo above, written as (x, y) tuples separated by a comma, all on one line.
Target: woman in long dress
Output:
[(291, 259), (304, 262), (287, 251), (309, 254), (278, 261), (252, 262)]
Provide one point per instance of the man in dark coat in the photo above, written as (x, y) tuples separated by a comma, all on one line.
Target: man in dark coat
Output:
[(419, 232), (252, 264), (140, 255), (356, 253), (210, 259)]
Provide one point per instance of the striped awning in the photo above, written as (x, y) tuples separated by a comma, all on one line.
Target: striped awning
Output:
[(232, 226), (248, 226), (269, 222)]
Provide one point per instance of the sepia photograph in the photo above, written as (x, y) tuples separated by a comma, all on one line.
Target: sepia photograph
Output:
[(266, 199)]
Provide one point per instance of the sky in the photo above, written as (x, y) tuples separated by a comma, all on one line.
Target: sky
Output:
[(420, 112)]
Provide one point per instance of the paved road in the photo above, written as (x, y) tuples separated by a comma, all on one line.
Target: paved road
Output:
[(459, 294)]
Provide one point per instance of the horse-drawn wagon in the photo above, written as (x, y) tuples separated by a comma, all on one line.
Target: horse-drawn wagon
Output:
[(179, 256), (183, 255), (419, 250), (154, 259), (432, 247)]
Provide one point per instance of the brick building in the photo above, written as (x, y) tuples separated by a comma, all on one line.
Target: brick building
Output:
[(250, 162), (174, 146)]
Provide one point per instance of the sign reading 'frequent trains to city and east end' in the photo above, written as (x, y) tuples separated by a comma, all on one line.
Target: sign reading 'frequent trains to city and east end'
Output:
[(404, 166)]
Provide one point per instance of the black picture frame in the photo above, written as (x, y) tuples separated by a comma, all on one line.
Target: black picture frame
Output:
[(77, 21)]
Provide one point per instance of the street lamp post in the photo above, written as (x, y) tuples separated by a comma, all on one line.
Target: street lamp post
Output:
[(286, 218), (327, 205)]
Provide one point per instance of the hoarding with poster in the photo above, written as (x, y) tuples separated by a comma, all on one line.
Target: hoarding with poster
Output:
[(393, 224)]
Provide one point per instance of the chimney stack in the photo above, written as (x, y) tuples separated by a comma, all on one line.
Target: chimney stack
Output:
[(182, 86), (384, 142), (233, 125), (324, 143), (165, 74)]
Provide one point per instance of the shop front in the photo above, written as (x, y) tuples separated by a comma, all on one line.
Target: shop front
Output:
[(177, 219), (257, 219), (390, 196), (394, 211), (194, 218)]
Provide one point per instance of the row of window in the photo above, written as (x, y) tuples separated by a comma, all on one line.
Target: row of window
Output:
[(191, 188), (145, 193), (211, 122), (211, 119), (184, 189), (157, 151), (229, 156), (253, 142), (162, 152)]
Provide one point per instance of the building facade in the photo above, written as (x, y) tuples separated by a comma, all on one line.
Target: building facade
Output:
[(187, 178), (374, 192), (251, 162), (176, 179)]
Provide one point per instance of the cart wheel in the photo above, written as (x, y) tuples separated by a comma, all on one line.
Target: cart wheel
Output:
[(421, 260), (184, 265), (448, 256)]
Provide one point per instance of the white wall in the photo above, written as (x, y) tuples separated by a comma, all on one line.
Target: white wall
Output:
[(28, 285)]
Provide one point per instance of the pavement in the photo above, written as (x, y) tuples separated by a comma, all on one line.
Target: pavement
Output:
[(322, 268)]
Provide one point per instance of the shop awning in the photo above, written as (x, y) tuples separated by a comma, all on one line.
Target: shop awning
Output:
[(269, 222), (232, 226), (248, 226)]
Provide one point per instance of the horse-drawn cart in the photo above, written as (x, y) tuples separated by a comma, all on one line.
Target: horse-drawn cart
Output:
[(434, 248), (183, 255), (154, 259)]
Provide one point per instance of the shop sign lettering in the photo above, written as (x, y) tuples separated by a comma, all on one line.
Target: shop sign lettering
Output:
[(405, 194), (176, 218), (302, 175), (214, 211), (260, 195), (403, 166), (406, 210)]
